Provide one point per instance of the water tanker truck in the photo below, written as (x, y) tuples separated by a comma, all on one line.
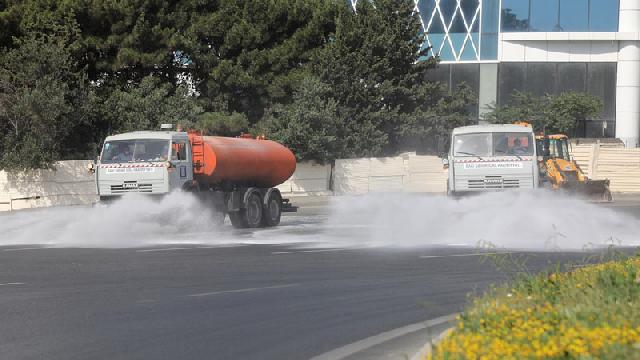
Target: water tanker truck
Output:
[(235, 176)]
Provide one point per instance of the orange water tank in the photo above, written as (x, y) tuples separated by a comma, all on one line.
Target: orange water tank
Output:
[(240, 161)]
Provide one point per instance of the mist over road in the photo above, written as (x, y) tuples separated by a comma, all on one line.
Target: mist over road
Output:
[(331, 275)]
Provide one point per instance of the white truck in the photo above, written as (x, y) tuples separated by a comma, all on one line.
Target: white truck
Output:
[(491, 158)]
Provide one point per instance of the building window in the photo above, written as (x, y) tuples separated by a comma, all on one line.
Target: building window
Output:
[(511, 78), (603, 15), (544, 15), (454, 75), (571, 77), (490, 29), (452, 28), (515, 15), (597, 79), (573, 16), (559, 15)]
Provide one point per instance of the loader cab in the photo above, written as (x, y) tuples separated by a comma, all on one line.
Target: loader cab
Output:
[(150, 162), (554, 146)]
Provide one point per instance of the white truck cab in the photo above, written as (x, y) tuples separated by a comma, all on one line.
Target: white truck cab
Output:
[(153, 162), (491, 158)]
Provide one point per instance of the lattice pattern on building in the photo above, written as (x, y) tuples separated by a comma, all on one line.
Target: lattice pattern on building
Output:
[(451, 27)]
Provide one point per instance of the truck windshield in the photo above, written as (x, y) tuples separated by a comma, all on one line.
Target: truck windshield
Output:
[(472, 145), (139, 150), (493, 144), (513, 144)]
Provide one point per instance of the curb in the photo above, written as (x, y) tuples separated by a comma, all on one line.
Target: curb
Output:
[(426, 350), (353, 348)]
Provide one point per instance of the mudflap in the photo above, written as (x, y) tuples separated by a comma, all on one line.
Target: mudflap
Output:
[(592, 190), (288, 207)]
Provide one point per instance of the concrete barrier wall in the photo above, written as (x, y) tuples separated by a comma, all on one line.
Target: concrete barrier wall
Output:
[(308, 179), (604, 161), (621, 166), (584, 156), (68, 184), (71, 184), (406, 173)]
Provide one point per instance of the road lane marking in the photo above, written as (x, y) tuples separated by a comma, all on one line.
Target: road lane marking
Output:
[(364, 344), (243, 290), (164, 249), (321, 250), (12, 283), (24, 248), (463, 255), (305, 251), (221, 246)]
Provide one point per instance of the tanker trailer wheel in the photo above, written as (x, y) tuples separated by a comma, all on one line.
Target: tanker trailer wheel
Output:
[(253, 212), (272, 209)]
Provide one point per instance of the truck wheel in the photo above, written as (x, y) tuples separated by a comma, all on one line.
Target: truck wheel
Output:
[(238, 219), (253, 212), (272, 210)]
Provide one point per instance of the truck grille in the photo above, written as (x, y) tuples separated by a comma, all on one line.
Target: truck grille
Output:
[(120, 189), (493, 182)]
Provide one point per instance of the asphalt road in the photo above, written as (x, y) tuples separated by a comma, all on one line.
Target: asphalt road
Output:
[(238, 301)]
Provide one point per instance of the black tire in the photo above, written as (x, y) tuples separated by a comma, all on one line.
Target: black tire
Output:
[(238, 219), (253, 212), (272, 210)]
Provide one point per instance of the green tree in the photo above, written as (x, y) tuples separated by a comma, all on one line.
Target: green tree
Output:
[(221, 124), (311, 126), (43, 98), (126, 41), (375, 68), (522, 107), (570, 109), (428, 129), (562, 113), (245, 56), (149, 104), (9, 23)]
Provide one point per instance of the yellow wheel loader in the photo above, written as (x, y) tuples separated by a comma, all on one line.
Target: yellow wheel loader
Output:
[(560, 172)]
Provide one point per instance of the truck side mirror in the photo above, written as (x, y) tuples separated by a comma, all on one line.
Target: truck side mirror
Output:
[(445, 163)]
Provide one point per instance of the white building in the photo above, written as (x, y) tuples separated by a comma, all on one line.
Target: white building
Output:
[(542, 46)]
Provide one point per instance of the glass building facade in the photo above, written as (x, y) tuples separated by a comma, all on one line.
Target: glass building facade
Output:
[(597, 79), (466, 36), (467, 30), (560, 15)]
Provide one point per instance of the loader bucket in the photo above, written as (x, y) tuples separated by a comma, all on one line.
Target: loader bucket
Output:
[(592, 190)]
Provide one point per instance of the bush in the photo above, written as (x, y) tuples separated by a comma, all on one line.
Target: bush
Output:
[(588, 313)]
